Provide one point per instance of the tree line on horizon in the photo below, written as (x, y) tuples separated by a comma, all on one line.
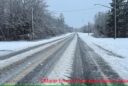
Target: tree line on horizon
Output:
[(29, 20), (104, 25)]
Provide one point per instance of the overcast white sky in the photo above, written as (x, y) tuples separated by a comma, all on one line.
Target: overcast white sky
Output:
[(77, 12)]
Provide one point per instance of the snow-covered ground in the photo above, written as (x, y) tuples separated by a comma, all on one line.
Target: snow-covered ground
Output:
[(114, 52), (13, 46)]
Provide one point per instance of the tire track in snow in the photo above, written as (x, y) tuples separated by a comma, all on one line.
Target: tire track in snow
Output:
[(63, 69)]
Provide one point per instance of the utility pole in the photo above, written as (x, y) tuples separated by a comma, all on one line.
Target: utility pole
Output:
[(88, 29), (32, 26), (115, 21)]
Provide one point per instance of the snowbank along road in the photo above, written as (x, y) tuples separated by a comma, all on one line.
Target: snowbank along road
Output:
[(65, 59)]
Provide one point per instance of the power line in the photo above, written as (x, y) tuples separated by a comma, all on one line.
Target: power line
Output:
[(74, 10)]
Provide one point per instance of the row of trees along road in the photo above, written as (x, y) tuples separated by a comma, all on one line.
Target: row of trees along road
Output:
[(29, 19), (104, 21)]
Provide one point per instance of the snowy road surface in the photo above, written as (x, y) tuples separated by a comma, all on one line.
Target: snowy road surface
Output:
[(72, 57), (14, 46)]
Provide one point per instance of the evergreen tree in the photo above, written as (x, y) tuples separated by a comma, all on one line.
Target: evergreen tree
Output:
[(121, 31), (126, 17)]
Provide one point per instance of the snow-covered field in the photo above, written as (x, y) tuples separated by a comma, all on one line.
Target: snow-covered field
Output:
[(105, 46), (13, 46)]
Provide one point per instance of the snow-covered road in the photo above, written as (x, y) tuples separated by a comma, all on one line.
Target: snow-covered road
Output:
[(7, 47), (72, 57), (114, 52)]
